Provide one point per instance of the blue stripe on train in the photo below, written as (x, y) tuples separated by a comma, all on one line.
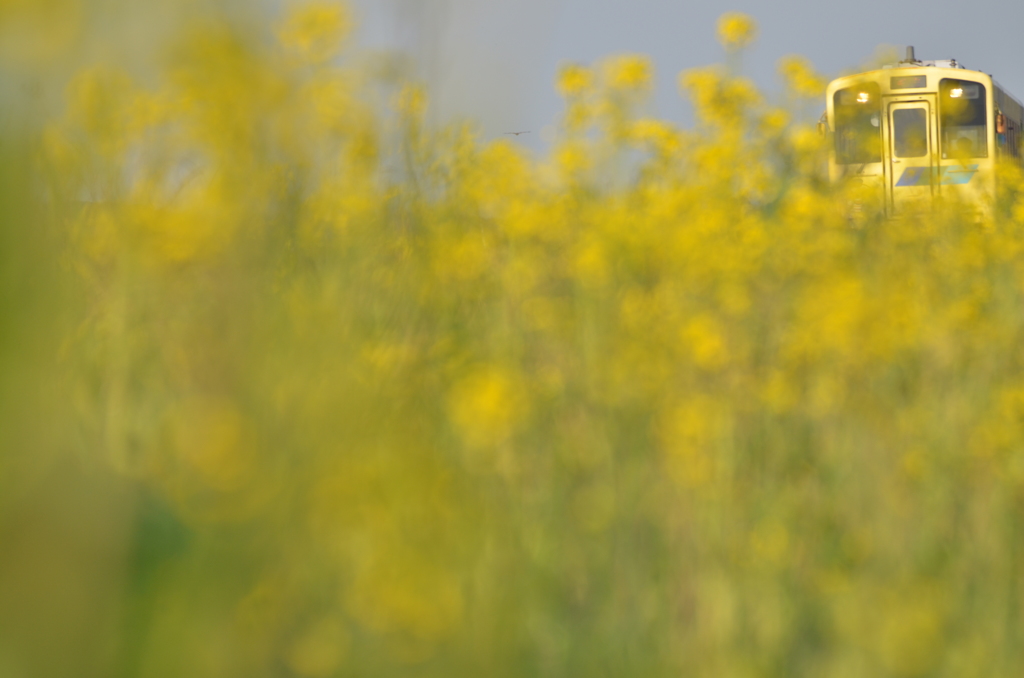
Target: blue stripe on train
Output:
[(949, 175)]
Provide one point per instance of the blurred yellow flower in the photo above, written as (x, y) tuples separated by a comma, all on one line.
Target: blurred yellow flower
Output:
[(487, 406), (706, 340), (800, 77), (775, 120), (736, 30), (572, 159), (658, 134), (689, 434), (317, 31), (574, 80), (591, 264), (628, 72), (411, 101), (718, 99)]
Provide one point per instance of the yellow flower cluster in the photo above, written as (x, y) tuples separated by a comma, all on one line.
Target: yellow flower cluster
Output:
[(316, 31), (296, 383), (736, 30), (574, 79), (630, 72), (800, 77)]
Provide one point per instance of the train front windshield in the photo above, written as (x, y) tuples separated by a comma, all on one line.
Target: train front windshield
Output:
[(858, 115), (963, 119)]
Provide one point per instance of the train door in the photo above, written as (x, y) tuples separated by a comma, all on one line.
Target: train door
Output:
[(912, 162)]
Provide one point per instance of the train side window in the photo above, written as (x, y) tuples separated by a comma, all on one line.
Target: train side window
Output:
[(963, 119)]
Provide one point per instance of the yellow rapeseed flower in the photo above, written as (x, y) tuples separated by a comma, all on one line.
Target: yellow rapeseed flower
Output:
[(628, 72), (800, 77), (411, 101), (317, 31), (487, 406), (736, 30), (574, 80), (658, 134)]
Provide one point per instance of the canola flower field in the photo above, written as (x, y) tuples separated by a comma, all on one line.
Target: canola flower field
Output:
[(293, 383)]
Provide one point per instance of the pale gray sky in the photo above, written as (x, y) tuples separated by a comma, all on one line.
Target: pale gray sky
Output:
[(495, 60)]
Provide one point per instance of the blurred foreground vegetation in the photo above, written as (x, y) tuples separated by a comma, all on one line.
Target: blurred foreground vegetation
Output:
[(292, 384)]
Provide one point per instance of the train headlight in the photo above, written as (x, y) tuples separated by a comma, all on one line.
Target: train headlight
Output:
[(956, 92), (863, 97)]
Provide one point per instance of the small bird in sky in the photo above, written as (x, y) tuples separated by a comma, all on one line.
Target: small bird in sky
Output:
[(517, 133)]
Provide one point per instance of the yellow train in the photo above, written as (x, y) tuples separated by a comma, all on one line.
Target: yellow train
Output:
[(920, 129)]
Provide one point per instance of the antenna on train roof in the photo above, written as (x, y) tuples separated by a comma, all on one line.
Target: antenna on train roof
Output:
[(910, 54)]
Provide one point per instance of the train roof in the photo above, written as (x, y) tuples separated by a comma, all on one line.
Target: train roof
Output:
[(903, 67), (939, 63), (1004, 101)]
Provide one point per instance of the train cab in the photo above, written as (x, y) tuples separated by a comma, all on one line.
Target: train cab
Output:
[(917, 130)]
